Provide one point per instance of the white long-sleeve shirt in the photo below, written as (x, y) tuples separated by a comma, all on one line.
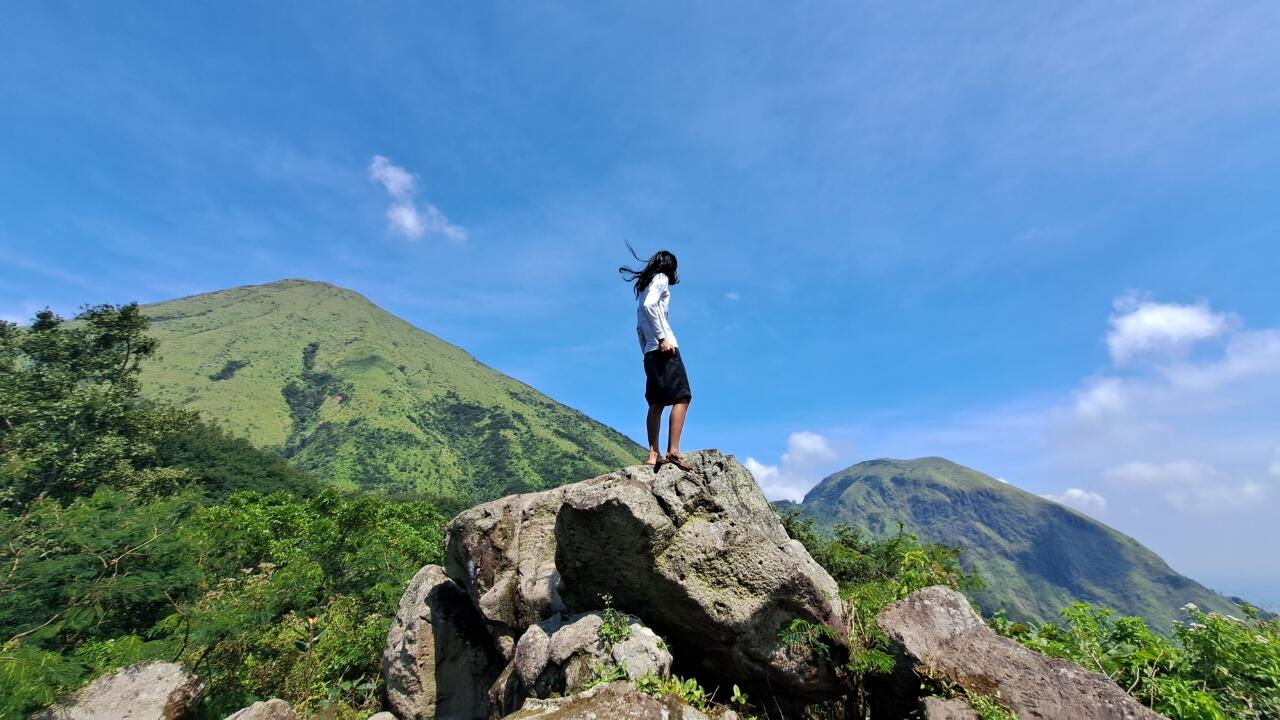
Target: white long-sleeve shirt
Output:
[(651, 314)]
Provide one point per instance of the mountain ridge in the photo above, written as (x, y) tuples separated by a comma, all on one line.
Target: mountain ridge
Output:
[(1036, 556), (364, 399)]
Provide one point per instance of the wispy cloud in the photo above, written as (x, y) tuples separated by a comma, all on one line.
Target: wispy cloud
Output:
[(1086, 501), (23, 261), (406, 215), (1187, 484)]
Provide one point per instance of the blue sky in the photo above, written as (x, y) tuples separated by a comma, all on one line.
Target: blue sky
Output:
[(1039, 240)]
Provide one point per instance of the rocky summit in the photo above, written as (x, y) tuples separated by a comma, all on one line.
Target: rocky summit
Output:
[(567, 603), (636, 573)]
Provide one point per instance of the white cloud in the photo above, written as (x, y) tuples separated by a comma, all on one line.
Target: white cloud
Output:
[(405, 216), (806, 448), (436, 222), (1249, 354), (1141, 326), (733, 295), (765, 475), (798, 470), (1275, 464), (1188, 485), (1082, 500), (1100, 397), (405, 219), (398, 181)]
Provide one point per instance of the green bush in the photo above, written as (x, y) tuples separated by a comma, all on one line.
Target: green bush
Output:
[(1216, 667), (264, 596), (871, 573)]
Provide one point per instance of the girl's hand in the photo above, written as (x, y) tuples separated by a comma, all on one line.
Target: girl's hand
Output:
[(665, 346)]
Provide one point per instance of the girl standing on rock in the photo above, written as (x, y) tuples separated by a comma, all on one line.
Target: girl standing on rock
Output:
[(665, 380)]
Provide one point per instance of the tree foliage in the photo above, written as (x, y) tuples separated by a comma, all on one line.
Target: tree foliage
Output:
[(69, 412), (262, 595), (131, 532)]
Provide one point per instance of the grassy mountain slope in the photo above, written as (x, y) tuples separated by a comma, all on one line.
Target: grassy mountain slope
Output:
[(362, 399), (1035, 555)]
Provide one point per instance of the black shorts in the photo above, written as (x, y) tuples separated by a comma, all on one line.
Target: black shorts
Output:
[(665, 380)]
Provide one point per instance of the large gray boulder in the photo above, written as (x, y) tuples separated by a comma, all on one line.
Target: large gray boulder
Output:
[(699, 557), (935, 631), (145, 691), (562, 656), (437, 662), (274, 709), (504, 553), (615, 701)]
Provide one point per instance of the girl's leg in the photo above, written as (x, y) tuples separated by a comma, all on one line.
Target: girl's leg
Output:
[(677, 426), (653, 423)]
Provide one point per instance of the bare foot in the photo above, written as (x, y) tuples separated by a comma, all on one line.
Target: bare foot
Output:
[(653, 458)]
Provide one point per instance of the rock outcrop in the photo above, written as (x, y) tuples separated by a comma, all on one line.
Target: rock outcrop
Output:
[(438, 660), (274, 709), (561, 656), (936, 632), (615, 701), (145, 691), (699, 557)]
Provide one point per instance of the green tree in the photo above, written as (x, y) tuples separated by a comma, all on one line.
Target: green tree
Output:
[(70, 417)]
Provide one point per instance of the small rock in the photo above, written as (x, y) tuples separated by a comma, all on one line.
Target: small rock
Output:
[(384, 715), (937, 629), (615, 701), (560, 656), (936, 708), (437, 661), (274, 709), (145, 691)]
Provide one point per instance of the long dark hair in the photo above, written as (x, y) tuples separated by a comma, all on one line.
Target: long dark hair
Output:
[(661, 262)]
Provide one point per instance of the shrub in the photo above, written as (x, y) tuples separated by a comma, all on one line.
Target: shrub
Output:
[(1216, 666)]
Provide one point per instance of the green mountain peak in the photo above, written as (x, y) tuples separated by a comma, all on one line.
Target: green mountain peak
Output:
[(1036, 556), (363, 399)]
